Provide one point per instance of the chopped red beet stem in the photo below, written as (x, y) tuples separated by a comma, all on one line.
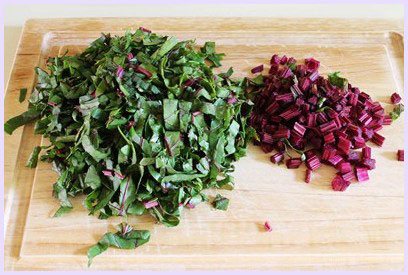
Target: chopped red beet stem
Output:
[(312, 64), (142, 70), (297, 108), (144, 29), (275, 59), (299, 129), (313, 163), (257, 69), (348, 176), (276, 158), (119, 176), (328, 126), (120, 72), (395, 98), (308, 175), (335, 160), (344, 167), (359, 142), (378, 139), (362, 174), (400, 155), (387, 120), (344, 145), (293, 163), (288, 97), (368, 163), (267, 227), (366, 151), (150, 204), (339, 184), (282, 133), (130, 56), (108, 173), (283, 60), (328, 152)]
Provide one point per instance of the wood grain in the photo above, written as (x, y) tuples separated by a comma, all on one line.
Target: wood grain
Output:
[(314, 228)]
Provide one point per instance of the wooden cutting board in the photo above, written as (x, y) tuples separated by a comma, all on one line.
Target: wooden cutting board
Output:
[(314, 228)]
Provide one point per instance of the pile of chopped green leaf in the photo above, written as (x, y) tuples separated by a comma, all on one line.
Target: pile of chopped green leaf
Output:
[(139, 124)]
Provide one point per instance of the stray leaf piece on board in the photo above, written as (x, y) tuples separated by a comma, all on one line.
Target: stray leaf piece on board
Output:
[(125, 238), (220, 202)]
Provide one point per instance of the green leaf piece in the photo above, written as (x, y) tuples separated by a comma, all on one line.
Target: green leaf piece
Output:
[(220, 202), (338, 81), (33, 159), (397, 111), (125, 238), (20, 120), (62, 211), (23, 94)]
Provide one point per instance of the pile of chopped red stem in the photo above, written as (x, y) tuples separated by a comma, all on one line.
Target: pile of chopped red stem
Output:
[(324, 120)]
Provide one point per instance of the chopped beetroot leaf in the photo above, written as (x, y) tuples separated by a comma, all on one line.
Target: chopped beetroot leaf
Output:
[(267, 227), (400, 155), (395, 98), (298, 109), (339, 184)]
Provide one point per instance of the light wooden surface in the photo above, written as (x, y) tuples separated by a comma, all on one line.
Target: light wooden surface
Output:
[(314, 228)]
